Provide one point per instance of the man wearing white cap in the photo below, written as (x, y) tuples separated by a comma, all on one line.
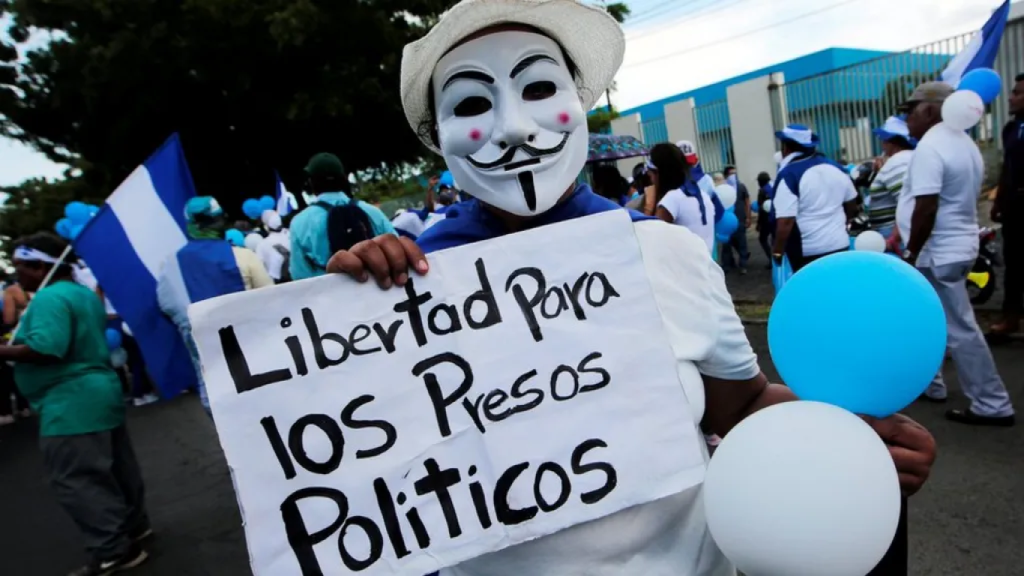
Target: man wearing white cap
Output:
[(890, 170), (500, 89), (814, 199)]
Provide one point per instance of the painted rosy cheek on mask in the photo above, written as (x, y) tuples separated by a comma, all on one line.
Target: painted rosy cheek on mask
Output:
[(475, 135), (564, 118)]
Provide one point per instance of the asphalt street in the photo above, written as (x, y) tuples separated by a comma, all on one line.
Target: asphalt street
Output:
[(966, 521)]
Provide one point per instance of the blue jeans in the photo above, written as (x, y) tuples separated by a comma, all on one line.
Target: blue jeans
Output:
[(737, 242), (193, 352)]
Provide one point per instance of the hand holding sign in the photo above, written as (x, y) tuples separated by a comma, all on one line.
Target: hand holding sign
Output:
[(400, 431), (387, 258)]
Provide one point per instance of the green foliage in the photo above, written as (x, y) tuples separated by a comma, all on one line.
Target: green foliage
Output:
[(251, 85), (599, 121), (37, 204), (619, 10)]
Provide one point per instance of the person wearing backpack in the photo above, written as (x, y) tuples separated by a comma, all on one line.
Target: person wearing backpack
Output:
[(275, 249), (336, 221)]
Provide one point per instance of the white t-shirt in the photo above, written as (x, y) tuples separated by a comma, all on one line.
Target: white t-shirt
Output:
[(948, 163), (269, 255), (685, 211), (668, 537), (819, 208), (84, 276)]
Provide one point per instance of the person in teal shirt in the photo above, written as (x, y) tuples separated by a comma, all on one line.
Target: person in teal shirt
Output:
[(62, 366), (310, 249)]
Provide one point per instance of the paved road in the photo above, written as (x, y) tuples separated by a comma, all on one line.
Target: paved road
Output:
[(967, 520)]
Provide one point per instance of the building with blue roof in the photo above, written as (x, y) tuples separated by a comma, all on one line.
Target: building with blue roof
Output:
[(833, 90)]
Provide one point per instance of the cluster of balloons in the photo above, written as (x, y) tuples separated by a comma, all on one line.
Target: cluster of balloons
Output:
[(76, 216), (808, 484), (253, 208), (728, 223), (966, 107)]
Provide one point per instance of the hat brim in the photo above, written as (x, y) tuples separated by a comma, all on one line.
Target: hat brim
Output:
[(589, 35), (785, 138), (884, 134)]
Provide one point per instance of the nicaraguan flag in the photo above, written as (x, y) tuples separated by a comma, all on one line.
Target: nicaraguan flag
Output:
[(981, 51), (125, 245), (285, 200)]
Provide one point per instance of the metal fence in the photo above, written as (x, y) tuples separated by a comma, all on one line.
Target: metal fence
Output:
[(843, 106), (714, 136), (654, 131)]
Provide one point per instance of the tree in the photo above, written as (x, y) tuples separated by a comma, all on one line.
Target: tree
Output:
[(620, 11), (599, 121), (250, 85), (37, 204)]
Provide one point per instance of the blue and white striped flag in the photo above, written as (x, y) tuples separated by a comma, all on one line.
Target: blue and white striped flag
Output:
[(981, 51), (285, 200), (125, 245)]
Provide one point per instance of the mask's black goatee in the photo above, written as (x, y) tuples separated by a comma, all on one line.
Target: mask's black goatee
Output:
[(526, 183)]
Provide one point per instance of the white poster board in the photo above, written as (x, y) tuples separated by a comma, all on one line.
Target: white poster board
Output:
[(524, 385)]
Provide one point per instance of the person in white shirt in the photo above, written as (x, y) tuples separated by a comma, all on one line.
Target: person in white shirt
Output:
[(938, 219), (890, 170), (814, 199), (274, 250), (680, 200), (488, 66)]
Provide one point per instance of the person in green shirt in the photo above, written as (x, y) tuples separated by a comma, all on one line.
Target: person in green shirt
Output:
[(62, 366)]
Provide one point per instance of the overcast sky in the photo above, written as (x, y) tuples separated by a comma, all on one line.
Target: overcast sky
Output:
[(678, 45)]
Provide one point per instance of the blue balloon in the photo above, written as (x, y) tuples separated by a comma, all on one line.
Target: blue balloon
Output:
[(76, 229), (77, 212), (727, 226), (235, 237), (113, 338), (63, 228), (252, 208), (446, 179), (984, 82), (93, 210), (266, 203), (827, 348), (753, 206)]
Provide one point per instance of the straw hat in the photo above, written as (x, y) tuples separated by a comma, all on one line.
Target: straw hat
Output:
[(589, 35)]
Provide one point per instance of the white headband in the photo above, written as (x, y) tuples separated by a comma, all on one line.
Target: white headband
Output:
[(27, 254)]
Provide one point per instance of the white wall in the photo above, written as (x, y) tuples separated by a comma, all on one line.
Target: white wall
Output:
[(627, 126), (680, 121), (753, 134)]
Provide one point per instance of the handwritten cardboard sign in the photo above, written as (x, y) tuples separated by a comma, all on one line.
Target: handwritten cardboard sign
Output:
[(524, 385)]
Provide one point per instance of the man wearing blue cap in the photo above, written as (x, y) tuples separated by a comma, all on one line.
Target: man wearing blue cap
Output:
[(206, 267), (890, 170), (814, 199)]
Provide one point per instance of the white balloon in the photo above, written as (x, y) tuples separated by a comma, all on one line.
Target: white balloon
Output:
[(767, 205), (870, 241), (118, 358), (253, 240), (783, 501), (963, 110), (727, 194)]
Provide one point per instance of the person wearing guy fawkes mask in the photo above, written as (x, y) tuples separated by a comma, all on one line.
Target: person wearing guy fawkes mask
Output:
[(500, 88)]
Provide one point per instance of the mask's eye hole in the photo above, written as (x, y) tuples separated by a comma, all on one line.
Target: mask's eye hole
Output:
[(472, 106), (539, 90)]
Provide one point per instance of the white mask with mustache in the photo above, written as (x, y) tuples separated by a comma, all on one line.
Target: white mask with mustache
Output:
[(510, 123)]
